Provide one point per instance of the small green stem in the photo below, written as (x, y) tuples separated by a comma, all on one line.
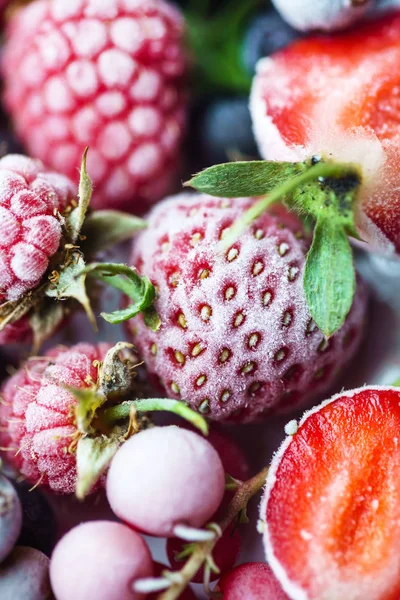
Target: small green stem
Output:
[(123, 410), (204, 549), (322, 169)]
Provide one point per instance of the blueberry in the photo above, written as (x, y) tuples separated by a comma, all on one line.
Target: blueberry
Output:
[(24, 575), (10, 517), (38, 520), (221, 131), (266, 34)]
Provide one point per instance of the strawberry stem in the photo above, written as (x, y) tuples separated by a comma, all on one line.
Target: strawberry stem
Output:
[(203, 550), (320, 170), (123, 411)]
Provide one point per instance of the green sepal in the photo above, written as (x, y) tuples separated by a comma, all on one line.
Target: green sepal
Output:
[(244, 178), (137, 287), (71, 283), (93, 457), (76, 218), (329, 278), (88, 401), (105, 228)]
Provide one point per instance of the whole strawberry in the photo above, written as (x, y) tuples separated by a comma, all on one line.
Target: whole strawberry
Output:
[(236, 338), (337, 98), (106, 75)]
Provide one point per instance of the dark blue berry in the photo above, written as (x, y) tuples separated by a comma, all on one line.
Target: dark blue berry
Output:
[(266, 33), (222, 131), (24, 575), (38, 520), (10, 517)]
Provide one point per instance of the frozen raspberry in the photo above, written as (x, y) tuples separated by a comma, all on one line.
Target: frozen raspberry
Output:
[(31, 200), (37, 423), (19, 332), (236, 338), (107, 75)]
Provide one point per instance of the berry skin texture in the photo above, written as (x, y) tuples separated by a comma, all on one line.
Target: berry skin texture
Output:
[(154, 491), (31, 199), (236, 339), (39, 527), (99, 559), (253, 581), (351, 77), (327, 15), (10, 517), (25, 574), (36, 414), (336, 534), (108, 75)]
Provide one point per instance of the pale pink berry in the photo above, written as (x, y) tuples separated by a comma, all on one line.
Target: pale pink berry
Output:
[(163, 477), (32, 200), (108, 75), (237, 340), (37, 417), (99, 559)]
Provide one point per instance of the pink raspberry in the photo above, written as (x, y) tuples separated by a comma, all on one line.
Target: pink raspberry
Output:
[(236, 339), (37, 417), (31, 200), (108, 75)]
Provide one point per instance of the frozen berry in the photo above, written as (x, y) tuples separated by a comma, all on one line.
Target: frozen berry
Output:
[(10, 518), (24, 575), (37, 417), (231, 454), (236, 339), (101, 560), (108, 75), (331, 509), (155, 491), (31, 202), (38, 520), (306, 15), (253, 581), (266, 34), (222, 130)]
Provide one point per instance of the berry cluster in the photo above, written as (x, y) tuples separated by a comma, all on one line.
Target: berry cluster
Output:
[(241, 300)]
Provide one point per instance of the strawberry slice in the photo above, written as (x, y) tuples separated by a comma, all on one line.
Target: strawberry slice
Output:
[(340, 97), (332, 500)]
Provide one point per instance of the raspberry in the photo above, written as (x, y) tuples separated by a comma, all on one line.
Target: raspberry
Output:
[(30, 229), (36, 417), (106, 75), (236, 339)]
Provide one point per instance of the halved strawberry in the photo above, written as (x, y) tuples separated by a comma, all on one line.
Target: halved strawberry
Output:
[(332, 501), (340, 97)]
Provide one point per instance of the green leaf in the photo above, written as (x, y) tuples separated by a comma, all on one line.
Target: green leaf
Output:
[(105, 228), (137, 287), (77, 216), (93, 457), (88, 401), (71, 283), (329, 279), (245, 178)]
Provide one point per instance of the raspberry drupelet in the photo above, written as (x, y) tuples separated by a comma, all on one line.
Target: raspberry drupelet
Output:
[(107, 75)]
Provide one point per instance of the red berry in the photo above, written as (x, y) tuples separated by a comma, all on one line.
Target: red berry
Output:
[(253, 581), (338, 97), (31, 200), (236, 339), (106, 75), (36, 417), (158, 570), (225, 553), (18, 332), (332, 500)]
